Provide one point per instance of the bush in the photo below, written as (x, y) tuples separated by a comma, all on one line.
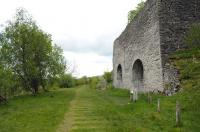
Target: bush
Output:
[(67, 81), (93, 81), (110, 86), (108, 76), (102, 84), (82, 81)]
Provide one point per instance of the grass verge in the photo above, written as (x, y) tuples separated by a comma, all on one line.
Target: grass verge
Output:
[(42, 113)]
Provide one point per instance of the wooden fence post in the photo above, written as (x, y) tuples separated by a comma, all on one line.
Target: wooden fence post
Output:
[(178, 114), (135, 95), (131, 95), (149, 98), (158, 107)]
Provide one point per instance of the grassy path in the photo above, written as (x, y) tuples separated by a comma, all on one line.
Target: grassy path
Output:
[(82, 116), (110, 111)]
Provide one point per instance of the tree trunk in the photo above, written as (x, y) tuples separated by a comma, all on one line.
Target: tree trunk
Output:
[(35, 86)]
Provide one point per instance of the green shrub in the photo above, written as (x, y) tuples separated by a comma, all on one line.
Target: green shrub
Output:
[(93, 81), (82, 81), (102, 84), (110, 86), (67, 81), (108, 76)]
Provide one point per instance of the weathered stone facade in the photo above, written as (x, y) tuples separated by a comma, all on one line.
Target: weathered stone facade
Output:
[(141, 52)]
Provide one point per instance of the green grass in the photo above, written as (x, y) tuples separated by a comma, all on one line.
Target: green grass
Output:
[(111, 111), (42, 113), (96, 111)]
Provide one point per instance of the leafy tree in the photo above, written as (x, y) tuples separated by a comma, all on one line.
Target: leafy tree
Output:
[(193, 36), (133, 13), (29, 53), (108, 76)]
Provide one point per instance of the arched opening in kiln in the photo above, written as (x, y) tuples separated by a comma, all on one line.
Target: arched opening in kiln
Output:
[(138, 75), (119, 72)]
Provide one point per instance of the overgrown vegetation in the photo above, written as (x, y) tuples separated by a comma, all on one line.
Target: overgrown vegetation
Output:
[(133, 13), (188, 63)]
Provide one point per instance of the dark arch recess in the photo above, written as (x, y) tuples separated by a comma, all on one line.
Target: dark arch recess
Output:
[(138, 74), (119, 72)]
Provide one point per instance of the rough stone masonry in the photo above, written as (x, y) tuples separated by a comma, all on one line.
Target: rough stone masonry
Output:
[(141, 52)]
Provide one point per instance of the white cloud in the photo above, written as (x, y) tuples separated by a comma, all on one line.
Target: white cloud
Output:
[(85, 27), (89, 64)]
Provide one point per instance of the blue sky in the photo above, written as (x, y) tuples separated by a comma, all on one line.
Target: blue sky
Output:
[(85, 29)]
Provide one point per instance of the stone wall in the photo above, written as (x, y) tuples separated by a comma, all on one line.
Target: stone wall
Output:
[(140, 40), (155, 33)]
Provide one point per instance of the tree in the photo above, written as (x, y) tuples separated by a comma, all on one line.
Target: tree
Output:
[(29, 52), (133, 13), (57, 63)]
